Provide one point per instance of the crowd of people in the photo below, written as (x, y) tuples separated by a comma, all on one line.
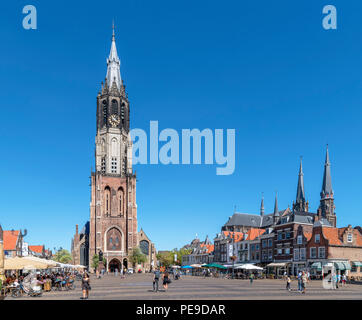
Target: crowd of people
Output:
[(47, 281)]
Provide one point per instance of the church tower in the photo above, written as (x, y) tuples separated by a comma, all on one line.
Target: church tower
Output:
[(327, 207), (113, 208), (300, 205)]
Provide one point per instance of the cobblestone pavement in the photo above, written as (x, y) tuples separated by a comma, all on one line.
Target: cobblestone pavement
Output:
[(139, 286)]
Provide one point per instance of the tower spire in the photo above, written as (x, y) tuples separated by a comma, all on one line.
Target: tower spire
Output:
[(300, 203), (113, 64), (276, 210), (327, 191), (262, 205)]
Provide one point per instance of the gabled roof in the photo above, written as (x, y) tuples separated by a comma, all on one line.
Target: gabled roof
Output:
[(209, 247), (10, 238), (308, 235), (331, 234), (37, 249)]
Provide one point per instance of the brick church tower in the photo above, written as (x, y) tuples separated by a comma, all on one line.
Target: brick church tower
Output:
[(113, 208)]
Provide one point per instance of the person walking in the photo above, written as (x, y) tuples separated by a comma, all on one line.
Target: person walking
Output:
[(304, 281), (288, 283), (116, 272), (344, 280), (156, 278), (166, 280), (251, 278), (85, 285), (300, 281)]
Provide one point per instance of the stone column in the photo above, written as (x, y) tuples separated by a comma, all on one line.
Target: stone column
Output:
[(2, 262)]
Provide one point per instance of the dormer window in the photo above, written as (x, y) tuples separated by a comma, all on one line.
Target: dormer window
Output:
[(349, 237), (317, 238)]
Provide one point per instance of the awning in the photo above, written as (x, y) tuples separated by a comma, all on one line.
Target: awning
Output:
[(277, 264), (342, 265), (317, 265), (357, 263)]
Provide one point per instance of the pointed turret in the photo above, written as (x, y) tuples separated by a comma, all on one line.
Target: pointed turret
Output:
[(327, 191), (113, 65), (300, 188), (300, 203), (276, 210), (1, 233), (262, 206)]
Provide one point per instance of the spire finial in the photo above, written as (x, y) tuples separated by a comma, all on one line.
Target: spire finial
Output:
[(113, 35), (262, 204)]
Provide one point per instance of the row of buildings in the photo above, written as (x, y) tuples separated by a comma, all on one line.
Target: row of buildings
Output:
[(15, 246), (287, 240)]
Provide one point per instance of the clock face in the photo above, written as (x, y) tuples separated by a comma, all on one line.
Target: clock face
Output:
[(114, 120)]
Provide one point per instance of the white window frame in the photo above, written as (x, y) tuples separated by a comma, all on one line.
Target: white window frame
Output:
[(320, 250), (315, 251), (296, 254), (302, 254), (349, 237), (300, 239)]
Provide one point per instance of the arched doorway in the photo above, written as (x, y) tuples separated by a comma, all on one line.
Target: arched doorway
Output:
[(113, 265), (125, 264)]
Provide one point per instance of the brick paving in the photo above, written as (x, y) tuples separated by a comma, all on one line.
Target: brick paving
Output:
[(139, 287)]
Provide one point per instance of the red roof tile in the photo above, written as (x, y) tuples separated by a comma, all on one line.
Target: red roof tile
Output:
[(253, 233), (37, 249), (238, 236), (332, 235), (10, 238)]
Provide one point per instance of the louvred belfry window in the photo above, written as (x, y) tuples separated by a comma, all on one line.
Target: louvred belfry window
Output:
[(122, 113), (104, 112), (114, 107)]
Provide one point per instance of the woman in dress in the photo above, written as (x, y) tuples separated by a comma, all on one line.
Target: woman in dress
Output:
[(85, 285), (166, 280)]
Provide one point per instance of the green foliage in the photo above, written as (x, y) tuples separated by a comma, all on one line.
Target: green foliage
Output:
[(168, 258), (95, 261), (137, 257), (63, 256)]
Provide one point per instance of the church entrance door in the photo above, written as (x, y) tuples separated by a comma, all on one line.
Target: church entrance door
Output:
[(114, 264)]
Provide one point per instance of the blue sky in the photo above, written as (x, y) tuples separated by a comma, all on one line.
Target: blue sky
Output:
[(266, 68)]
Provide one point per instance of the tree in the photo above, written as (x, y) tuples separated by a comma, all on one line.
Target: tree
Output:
[(95, 261), (165, 258), (63, 256), (137, 257)]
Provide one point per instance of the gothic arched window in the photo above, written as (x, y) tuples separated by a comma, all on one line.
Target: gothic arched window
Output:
[(114, 107), (144, 246), (120, 201), (107, 201), (114, 240)]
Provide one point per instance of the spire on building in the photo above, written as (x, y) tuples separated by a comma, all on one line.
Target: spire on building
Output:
[(276, 210), (113, 65), (327, 191), (262, 205), (300, 188), (1, 233)]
